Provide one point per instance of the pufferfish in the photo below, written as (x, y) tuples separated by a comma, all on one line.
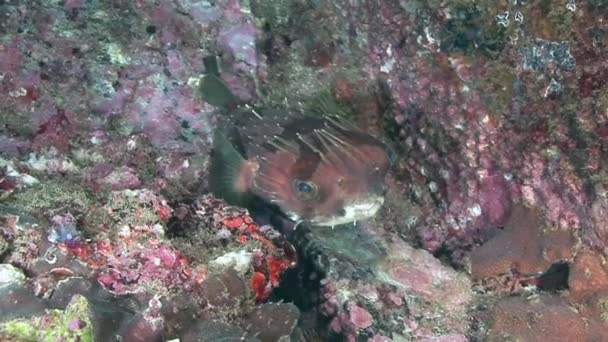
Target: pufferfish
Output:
[(317, 169)]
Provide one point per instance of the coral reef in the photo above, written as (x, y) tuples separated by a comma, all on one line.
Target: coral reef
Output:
[(498, 123), (494, 221), (133, 269)]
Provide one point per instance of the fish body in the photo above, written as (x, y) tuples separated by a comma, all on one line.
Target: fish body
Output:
[(315, 167)]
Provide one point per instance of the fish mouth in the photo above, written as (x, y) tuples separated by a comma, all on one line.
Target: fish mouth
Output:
[(352, 213)]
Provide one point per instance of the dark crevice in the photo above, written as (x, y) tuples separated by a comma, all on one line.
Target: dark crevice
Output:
[(302, 287), (555, 278)]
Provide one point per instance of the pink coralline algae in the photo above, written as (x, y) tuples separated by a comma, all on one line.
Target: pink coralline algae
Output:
[(156, 262), (143, 88), (359, 317), (402, 283), (489, 112), (239, 41), (137, 260), (269, 261), (496, 202), (495, 198), (474, 139), (121, 178)]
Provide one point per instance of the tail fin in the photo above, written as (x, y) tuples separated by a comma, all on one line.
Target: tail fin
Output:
[(225, 171)]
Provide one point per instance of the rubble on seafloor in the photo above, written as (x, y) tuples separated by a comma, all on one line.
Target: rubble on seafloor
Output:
[(136, 283), (493, 226)]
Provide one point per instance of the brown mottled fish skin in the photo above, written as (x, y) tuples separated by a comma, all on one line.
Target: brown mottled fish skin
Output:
[(316, 169)]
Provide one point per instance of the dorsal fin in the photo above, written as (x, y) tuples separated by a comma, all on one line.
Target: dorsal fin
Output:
[(213, 90)]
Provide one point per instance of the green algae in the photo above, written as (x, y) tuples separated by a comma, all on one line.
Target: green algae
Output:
[(473, 30), (53, 195), (86, 157), (117, 55), (274, 13), (602, 304), (296, 80), (556, 21), (15, 121), (202, 245), (306, 34), (126, 208), (501, 84), (72, 324), (21, 330), (295, 84), (120, 125)]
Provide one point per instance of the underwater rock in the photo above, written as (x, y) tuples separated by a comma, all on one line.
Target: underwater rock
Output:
[(3, 245), (17, 298), (544, 53), (526, 246), (372, 281), (271, 322), (421, 274), (542, 317), (147, 325), (72, 324), (490, 108), (227, 289), (588, 275), (65, 289), (209, 331), (259, 253), (155, 268), (10, 275), (18, 301), (240, 261), (121, 178), (138, 329)]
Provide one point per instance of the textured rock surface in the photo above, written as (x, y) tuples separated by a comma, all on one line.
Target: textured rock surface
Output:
[(525, 246), (497, 116), (543, 317), (72, 324), (377, 285)]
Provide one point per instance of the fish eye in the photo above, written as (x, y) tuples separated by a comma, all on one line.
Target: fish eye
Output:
[(305, 191), (304, 187)]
